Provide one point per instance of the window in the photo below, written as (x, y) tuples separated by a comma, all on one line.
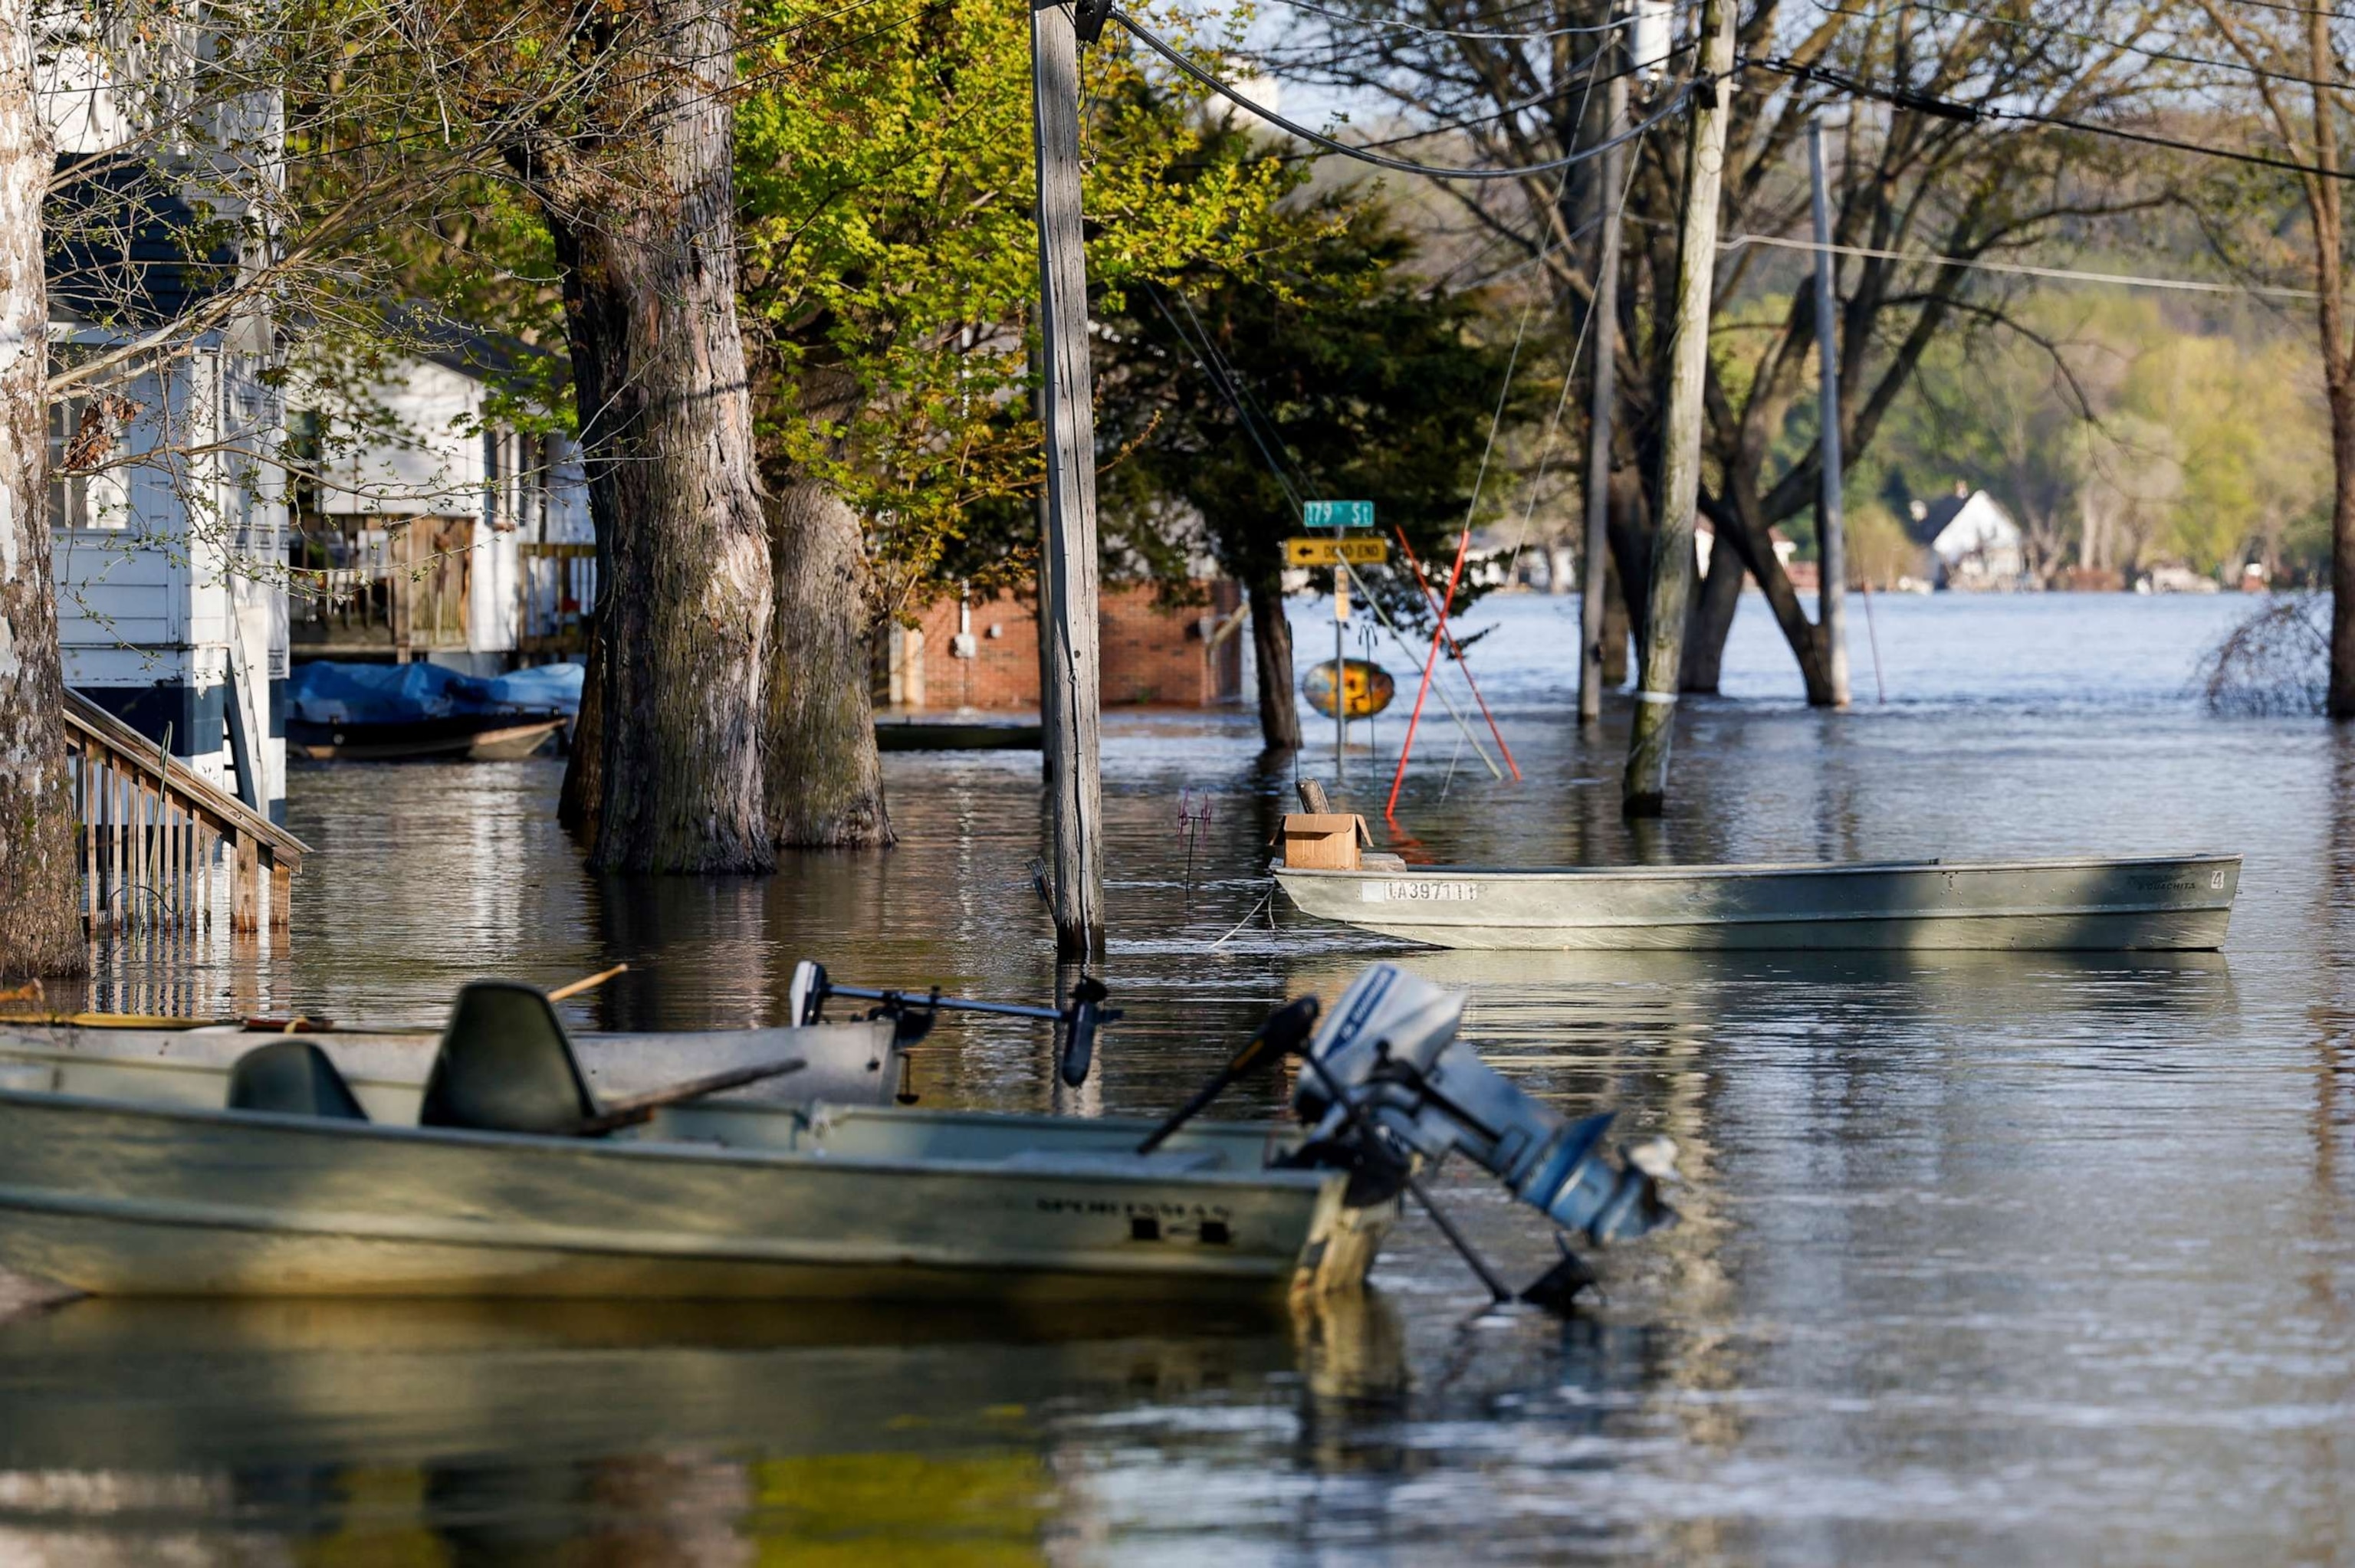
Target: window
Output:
[(68, 494), (82, 500)]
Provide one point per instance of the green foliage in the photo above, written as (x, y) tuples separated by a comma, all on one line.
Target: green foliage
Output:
[(2191, 441), (885, 185), (1362, 381)]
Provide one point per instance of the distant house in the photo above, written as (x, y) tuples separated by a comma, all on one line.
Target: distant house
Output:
[(445, 530), (1974, 541)]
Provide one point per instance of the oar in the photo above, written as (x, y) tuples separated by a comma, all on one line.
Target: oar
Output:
[(590, 982), (1282, 1033), (637, 1109)]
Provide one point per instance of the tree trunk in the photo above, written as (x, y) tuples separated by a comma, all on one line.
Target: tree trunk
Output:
[(1643, 789), (585, 765), (1616, 631), (1631, 569), (1712, 621), (645, 232), (1807, 643), (40, 924), (1279, 715), (2340, 703), (825, 780)]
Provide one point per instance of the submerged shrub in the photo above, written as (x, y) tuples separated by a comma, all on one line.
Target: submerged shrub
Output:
[(2276, 662)]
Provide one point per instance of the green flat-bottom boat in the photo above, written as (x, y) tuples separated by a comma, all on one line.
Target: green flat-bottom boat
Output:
[(2163, 903), (499, 1171)]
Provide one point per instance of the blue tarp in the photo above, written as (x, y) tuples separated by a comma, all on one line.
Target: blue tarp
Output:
[(329, 693)]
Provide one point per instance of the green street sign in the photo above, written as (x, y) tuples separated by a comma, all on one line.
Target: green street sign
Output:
[(1337, 515)]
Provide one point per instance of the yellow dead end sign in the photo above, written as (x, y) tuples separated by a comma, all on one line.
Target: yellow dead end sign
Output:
[(1331, 552)]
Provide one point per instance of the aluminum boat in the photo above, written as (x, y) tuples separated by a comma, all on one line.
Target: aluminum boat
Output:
[(503, 1173), (2163, 903)]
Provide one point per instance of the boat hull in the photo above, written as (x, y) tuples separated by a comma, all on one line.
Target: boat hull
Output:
[(477, 738), (2159, 904), (131, 1200)]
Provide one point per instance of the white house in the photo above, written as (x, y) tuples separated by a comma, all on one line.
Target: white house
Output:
[(167, 537), (1975, 541), (433, 525)]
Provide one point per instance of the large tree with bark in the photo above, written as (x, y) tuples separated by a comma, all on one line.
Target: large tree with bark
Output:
[(618, 121), (40, 929)]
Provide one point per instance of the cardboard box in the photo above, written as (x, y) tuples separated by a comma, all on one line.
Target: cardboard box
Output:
[(1322, 841)]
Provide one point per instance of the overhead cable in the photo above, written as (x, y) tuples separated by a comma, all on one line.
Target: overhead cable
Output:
[(1542, 100), (2204, 61), (1396, 25), (2022, 269), (1975, 114), (1404, 165)]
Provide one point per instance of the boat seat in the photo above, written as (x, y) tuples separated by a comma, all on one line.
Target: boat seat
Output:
[(504, 1065), (292, 1077)]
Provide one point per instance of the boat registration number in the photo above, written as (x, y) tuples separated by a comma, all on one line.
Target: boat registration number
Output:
[(1418, 891)]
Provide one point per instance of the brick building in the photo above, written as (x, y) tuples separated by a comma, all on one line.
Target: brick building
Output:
[(984, 653)]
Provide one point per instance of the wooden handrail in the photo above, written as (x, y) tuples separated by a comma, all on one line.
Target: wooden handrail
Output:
[(222, 811)]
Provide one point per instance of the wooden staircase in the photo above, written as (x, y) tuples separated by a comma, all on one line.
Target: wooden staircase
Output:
[(155, 838)]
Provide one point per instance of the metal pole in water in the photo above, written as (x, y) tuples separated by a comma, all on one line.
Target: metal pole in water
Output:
[(1605, 391), (1831, 605), (1340, 666)]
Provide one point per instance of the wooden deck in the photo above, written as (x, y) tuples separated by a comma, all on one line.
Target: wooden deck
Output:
[(403, 591)]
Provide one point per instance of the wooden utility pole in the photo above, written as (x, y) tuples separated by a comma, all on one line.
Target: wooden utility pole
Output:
[(1604, 328), (1831, 591), (1643, 791), (1069, 693)]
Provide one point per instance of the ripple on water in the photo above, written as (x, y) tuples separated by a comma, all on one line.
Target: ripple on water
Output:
[(1999, 1257)]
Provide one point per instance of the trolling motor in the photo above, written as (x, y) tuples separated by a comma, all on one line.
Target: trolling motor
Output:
[(913, 1012), (1385, 1084)]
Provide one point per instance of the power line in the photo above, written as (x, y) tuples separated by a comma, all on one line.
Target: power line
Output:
[(1145, 37), (2022, 269), (1231, 391), (1975, 114), (1542, 102), (2058, 31), (2294, 10), (1403, 26)]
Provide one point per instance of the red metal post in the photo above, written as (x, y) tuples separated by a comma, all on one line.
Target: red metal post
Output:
[(1457, 650), (1390, 808)]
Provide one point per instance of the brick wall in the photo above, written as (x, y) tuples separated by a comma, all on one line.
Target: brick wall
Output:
[(1152, 655)]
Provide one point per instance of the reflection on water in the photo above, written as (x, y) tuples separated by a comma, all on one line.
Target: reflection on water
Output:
[(1987, 1257)]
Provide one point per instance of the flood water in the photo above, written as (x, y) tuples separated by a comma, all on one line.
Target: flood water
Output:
[(1987, 1257)]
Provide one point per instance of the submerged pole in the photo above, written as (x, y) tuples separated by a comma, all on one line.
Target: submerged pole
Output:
[(1831, 591), (1070, 685), (1600, 411), (1643, 791)]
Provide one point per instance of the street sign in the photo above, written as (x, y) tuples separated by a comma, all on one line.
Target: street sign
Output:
[(1325, 551), (1337, 515)]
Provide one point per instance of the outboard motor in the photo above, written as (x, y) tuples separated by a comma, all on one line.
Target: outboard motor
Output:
[(1386, 1067)]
